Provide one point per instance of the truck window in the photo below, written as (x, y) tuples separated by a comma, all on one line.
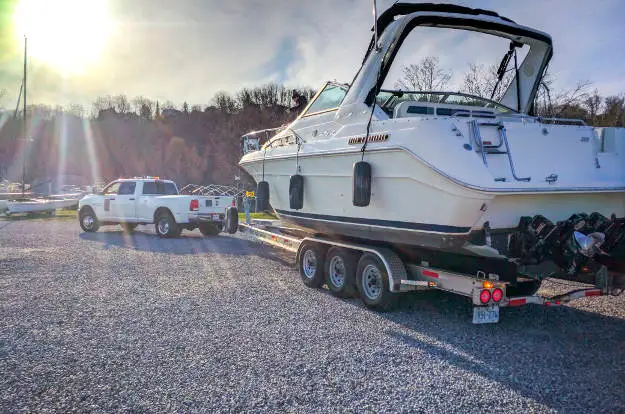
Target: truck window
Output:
[(112, 189), (170, 189), (159, 188), (127, 188)]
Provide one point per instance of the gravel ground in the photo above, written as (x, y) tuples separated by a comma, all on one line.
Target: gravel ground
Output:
[(107, 322)]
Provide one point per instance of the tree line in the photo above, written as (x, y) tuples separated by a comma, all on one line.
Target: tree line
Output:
[(121, 136)]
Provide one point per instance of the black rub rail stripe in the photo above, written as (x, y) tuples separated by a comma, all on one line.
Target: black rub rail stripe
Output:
[(384, 223)]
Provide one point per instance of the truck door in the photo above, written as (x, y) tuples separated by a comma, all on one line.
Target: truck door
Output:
[(110, 195), (124, 208)]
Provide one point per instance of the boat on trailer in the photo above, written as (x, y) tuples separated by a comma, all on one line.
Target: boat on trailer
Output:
[(459, 181)]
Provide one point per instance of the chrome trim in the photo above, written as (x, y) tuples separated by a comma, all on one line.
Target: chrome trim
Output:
[(502, 134)]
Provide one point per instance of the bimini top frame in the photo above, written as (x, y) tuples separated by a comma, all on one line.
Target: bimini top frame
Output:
[(399, 20)]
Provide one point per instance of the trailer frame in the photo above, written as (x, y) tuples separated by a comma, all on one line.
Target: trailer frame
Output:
[(408, 277)]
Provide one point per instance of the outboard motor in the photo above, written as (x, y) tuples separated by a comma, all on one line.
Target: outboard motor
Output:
[(571, 244)]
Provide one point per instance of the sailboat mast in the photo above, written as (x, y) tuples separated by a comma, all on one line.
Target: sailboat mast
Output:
[(25, 127)]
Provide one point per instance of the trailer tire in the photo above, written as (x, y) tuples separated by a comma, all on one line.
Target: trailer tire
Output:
[(232, 220), (166, 226), (88, 220), (373, 285), (209, 229), (340, 271), (311, 258)]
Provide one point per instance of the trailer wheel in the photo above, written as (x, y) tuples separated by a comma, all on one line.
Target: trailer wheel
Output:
[(340, 271), (209, 229), (87, 219), (310, 261), (372, 283), (166, 226), (232, 220)]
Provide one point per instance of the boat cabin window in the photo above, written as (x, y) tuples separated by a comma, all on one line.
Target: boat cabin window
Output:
[(329, 99), (454, 67)]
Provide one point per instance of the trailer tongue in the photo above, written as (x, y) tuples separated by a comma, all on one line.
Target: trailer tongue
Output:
[(379, 273)]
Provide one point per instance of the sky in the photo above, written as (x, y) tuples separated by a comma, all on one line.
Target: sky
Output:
[(187, 50)]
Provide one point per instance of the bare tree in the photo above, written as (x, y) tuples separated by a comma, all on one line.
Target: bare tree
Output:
[(102, 104), (482, 81), (76, 110), (615, 110), (144, 107), (427, 75), (121, 104), (224, 102), (593, 105)]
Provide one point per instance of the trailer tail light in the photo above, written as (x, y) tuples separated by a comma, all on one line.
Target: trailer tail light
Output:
[(194, 205), (484, 296), (497, 295), (517, 302)]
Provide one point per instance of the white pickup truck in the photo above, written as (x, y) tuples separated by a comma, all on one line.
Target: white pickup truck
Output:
[(131, 202)]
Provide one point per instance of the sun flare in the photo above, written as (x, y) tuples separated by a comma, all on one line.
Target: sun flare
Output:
[(68, 35)]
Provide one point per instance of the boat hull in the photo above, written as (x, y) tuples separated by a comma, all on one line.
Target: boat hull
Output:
[(411, 204)]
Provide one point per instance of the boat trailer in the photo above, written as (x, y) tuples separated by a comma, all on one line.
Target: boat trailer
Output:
[(487, 293)]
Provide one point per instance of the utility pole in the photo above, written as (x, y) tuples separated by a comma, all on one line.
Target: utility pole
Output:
[(25, 127)]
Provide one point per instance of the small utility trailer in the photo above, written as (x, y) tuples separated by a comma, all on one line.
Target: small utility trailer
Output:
[(378, 273)]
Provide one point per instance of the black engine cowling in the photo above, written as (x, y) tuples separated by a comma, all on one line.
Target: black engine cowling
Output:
[(571, 243)]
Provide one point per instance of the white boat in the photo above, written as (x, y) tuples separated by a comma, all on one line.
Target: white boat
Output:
[(445, 171), (34, 205)]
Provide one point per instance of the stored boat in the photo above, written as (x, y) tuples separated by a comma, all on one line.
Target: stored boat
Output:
[(429, 172)]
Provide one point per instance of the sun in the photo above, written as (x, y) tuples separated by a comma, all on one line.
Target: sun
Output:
[(68, 35)]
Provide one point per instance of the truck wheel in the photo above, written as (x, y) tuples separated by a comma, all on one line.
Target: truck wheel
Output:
[(310, 261), (209, 229), (232, 220), (340, 271), (372, 283), (87, 219), (166, 226), (128, 227)]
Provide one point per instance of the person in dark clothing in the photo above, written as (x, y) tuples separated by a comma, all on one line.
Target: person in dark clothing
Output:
[(299, 101)]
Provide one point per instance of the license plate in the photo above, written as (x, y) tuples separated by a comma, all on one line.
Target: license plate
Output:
[(215, 217), (484, 314)]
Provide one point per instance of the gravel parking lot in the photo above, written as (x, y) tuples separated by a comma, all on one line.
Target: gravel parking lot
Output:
[(113, 322)]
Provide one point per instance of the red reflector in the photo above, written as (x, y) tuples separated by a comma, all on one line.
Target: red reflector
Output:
[(595, 292), (487, 143), (194, 205), (517, 302), (484, 296), (497, 295), (429, 273)]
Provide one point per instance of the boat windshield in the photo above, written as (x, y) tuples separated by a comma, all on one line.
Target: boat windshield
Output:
[(389, 99)]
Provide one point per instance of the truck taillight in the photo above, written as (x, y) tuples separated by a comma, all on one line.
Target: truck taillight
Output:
[(234, 203), (485, 296), (194, 205)]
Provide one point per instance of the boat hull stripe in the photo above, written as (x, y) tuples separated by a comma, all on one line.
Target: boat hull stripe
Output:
[(438, 228)]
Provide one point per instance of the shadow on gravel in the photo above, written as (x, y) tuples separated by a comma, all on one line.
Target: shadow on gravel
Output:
[(187, 244), (560, 357)]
